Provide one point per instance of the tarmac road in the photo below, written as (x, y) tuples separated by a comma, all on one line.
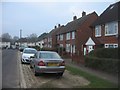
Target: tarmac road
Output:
[(10, 69)]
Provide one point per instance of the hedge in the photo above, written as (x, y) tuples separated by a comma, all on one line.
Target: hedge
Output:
[(104, 64), (105, 53), (105, 59)]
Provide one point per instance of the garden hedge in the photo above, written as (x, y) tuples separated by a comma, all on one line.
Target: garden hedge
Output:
[(103, 59)]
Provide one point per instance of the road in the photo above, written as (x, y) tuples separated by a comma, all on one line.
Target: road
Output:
[(10, 69)]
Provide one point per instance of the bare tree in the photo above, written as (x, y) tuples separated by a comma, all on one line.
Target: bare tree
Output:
[(32, 37), (6, 36)]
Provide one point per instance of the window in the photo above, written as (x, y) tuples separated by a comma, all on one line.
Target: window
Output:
[(73, 35), (61, 45), (98, 31), (111, 28), (58, 37), (68, 36), (61, 37), (111, 45), (72, 49), (67, 47)]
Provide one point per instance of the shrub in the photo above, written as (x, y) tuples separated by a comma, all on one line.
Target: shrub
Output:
[(105, 53), (104, 64), (105, 59)]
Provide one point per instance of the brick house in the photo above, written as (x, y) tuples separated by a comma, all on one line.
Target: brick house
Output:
[(75, 34), (52, 39), (105, 30)]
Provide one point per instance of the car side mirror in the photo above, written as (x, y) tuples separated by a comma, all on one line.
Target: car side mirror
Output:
[(32, 57)]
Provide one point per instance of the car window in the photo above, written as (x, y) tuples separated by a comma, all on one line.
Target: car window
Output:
[(30, 51), (49, 56)]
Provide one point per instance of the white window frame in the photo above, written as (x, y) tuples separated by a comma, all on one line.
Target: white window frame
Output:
[(68, 36), (98, 31), (73, 48), (108, 45), (61, 37), (58, 37), (114, 26), (73, 35), (67, 47), (61, 45)]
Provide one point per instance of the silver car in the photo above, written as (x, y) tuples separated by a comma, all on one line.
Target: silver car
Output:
[(27, 53), (47, 62)]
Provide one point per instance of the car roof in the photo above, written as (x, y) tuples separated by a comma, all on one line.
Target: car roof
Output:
[(30, 49), (46, 51)]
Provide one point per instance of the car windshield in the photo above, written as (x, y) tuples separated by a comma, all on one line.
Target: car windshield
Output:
[(49, 56), (30, 51)]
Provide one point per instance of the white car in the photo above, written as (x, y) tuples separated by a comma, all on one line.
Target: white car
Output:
[(27, 53)]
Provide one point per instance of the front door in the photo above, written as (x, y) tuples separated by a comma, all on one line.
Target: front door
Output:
[(88, 48)]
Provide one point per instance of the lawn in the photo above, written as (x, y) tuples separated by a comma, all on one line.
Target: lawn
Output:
[(96, 82)]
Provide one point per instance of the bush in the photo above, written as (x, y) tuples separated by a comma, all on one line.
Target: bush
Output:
[(105, 59), (105, 53), (104, 64)]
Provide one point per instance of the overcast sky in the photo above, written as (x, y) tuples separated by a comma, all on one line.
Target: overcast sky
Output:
[(40, 17)]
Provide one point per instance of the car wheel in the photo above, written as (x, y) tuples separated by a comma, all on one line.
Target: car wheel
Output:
[(35, 73), (60, 74), (31, 66), (22, 62)]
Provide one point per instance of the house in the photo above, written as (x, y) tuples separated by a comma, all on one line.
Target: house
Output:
[(4, 43), (52, 39), (105, 30), (22, 41), (40, 43), (74, 35)]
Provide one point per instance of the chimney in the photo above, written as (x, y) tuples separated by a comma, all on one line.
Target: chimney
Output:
[(58, 25), (83, 13), (74, 18), (55, 27)]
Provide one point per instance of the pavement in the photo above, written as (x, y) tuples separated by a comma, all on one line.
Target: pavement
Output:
[(100, 74)]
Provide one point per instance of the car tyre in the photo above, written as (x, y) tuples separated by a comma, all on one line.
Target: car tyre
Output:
[(60, 74), (35, 73), (22, 62), (31, 66)]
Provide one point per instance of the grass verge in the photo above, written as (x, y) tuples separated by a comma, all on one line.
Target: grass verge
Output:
[(96, 82)]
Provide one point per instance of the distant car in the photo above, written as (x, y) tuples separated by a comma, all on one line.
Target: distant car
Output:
[(47, 62), (27, 53), (22, 47)]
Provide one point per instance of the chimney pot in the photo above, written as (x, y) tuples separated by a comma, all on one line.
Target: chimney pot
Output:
[(55, 27), (58, 25), (83, 13), (74, 18)]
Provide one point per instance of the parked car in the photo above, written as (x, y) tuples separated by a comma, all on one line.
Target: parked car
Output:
[(22, 47), (47, 62), (27, 52)]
